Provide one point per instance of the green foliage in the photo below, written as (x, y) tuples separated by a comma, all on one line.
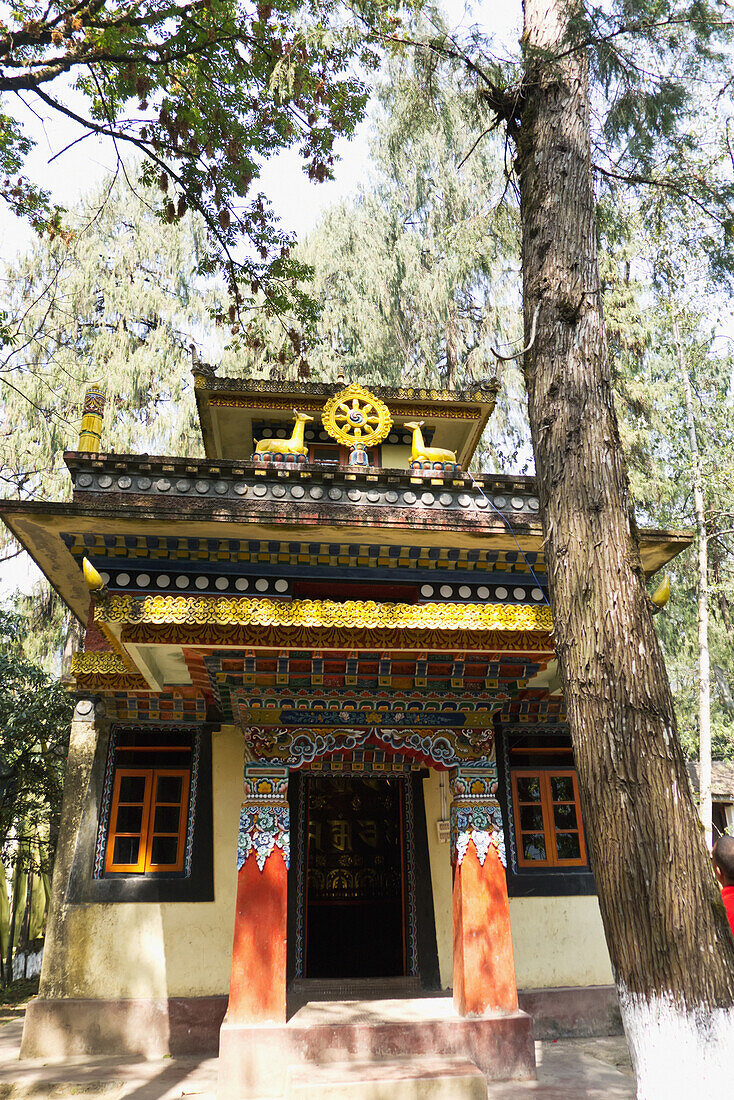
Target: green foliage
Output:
[(416, 278), (643, 320), (205, 90), (35, 718), (118, 303)]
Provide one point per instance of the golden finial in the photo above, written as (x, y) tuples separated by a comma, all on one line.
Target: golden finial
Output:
[(661, 595), (91, 576), (90, 435), (355, 415)]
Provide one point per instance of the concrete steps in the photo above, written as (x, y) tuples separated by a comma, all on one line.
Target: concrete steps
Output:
[(255, 1059), (388, 1079), (305, 990)]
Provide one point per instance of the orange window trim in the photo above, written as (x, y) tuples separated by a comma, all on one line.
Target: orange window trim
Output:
[(546, 804), (147, 831)]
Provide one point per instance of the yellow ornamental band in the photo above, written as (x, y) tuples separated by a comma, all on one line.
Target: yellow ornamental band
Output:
[(242, 611), (102, 663)]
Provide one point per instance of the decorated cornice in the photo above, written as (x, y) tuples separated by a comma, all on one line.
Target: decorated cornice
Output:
[(436, 412), (526, 643), (106, 669), (247, 485), (468, 719), (100, 663), (351, 614), (296, 748), (203, 380)]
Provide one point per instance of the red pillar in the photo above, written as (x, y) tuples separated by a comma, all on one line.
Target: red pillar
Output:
[(484, 963), (258, 977)]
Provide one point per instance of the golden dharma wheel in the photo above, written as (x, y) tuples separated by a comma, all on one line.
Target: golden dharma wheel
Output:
[(356, 416)]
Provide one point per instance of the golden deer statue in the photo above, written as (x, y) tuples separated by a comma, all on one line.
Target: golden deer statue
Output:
[(421, 453), (292, 446)]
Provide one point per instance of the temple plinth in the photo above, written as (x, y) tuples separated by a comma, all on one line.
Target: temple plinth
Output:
[(484, 964)]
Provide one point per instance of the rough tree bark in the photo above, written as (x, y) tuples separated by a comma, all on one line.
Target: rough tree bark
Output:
[(702, 590), (670, 946)]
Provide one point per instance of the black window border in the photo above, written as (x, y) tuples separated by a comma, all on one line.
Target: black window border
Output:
[(528, 883), (198, 885)]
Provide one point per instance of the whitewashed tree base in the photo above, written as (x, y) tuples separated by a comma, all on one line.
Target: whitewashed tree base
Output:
[(678, 1053)]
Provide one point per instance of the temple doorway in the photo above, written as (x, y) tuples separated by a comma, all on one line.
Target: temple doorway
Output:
[(355, 877)]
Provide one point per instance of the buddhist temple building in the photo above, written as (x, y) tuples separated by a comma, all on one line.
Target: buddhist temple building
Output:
[(319, 753)]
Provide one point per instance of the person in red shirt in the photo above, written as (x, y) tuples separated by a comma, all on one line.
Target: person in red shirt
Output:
[(723, 860)]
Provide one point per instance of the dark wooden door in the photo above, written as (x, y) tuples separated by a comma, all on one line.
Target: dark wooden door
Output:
[(355, 911)]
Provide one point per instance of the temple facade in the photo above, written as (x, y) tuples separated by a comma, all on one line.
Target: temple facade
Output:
[(319, 750)]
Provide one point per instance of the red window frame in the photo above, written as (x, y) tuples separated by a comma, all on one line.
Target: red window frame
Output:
[(148, 832), (550, 828)]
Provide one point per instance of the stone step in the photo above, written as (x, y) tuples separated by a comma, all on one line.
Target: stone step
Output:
[(304, 990), (423, 1078)]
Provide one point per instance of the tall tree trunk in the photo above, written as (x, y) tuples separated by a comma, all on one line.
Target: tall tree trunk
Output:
[(702, 590), (671, 949)]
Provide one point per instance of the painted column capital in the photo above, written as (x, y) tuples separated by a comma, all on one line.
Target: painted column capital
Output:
[(265, 816), (476, 816)]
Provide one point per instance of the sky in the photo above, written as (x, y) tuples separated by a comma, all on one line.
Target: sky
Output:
[(299, 203)]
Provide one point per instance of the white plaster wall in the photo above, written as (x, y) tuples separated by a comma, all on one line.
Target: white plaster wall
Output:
[(557, 941), (164, 949), (439, 855)]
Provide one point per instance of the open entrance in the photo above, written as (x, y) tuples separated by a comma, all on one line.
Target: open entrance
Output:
[(355, 875)]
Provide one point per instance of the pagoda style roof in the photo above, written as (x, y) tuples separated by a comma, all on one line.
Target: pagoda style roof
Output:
[(191, 511), (228, 408)]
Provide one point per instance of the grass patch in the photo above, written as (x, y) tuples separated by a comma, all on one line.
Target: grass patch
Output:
[(15, 997)]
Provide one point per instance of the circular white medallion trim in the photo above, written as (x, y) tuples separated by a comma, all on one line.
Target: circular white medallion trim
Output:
[(202, 582), (427, 590), (465, 591), (537, 593), (105, 577), (123, 579), (143, 580), (221, 583), (182, 582), (500, 593), (242, 584), (517, 503), (267, 433), (281, 585), (261, 584), (518, 593), (446, 590), (163, 581), (483, 592)]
